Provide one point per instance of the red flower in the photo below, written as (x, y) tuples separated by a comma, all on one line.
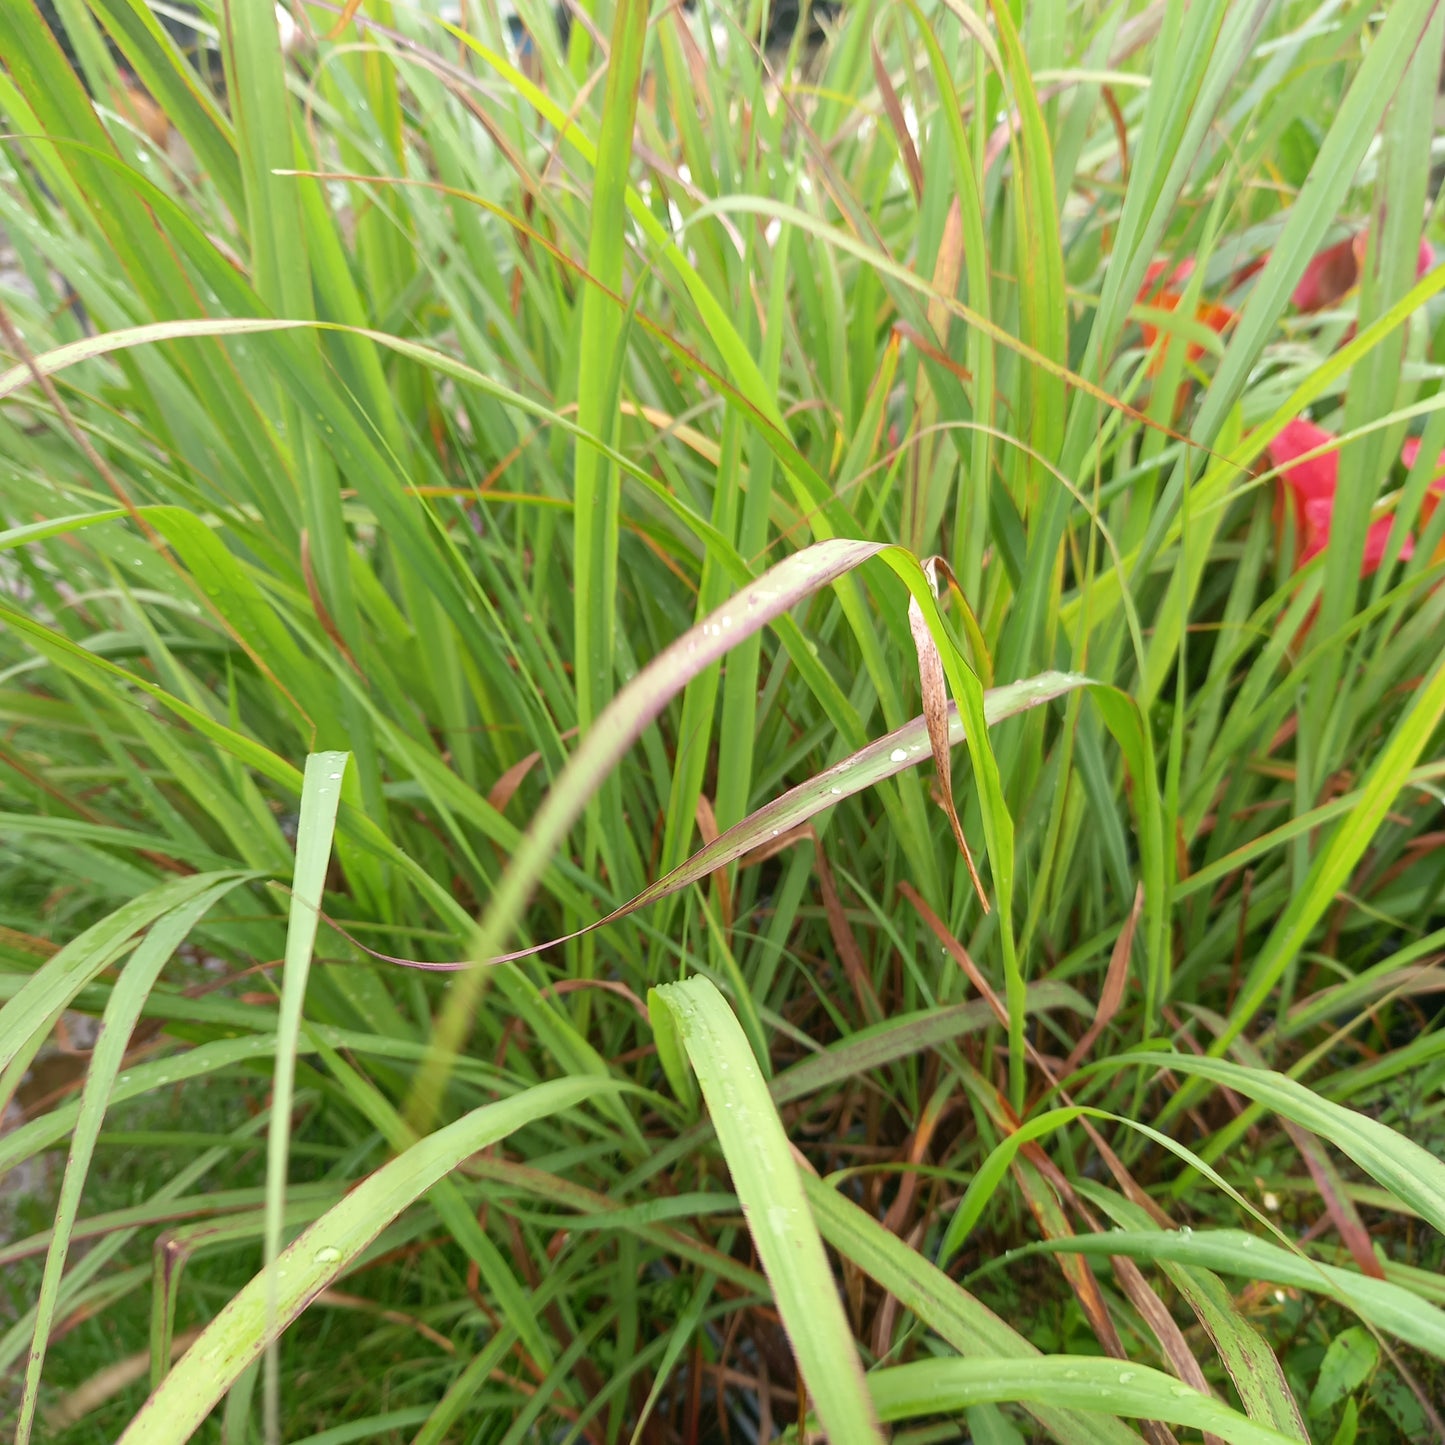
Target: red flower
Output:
[(1434, 493), (1336, 271), (1310, 482)]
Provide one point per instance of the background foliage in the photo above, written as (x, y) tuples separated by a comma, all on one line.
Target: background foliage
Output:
[(391, 458)]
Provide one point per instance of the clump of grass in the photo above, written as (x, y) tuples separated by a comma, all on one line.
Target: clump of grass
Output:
[(476, 491)]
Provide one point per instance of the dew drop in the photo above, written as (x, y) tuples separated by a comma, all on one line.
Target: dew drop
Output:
[(780, 1217), (327, 1254), (899, 755), (1180, 1392), (1185, 1231), (1125, 1376), (835, 791)]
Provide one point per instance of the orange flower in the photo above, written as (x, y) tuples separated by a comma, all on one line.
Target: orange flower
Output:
[(1167, 298)]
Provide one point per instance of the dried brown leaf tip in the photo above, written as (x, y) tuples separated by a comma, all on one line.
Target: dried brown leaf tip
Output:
[(935, 715)]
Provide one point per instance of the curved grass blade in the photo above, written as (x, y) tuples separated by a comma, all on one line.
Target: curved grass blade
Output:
[(769, 1185), (239, 1333), (989, 1175), (1383, 1303), (935, 718), (1258, 1378), (1078, 1382), (121, 1012), (1263, 1390), (948, 1309), (642, 701), (1414, 1175), (29, 532), (906, 747), (25, 1019), (605, 743)]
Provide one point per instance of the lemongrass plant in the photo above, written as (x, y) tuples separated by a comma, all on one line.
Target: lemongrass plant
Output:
[(730, 740)]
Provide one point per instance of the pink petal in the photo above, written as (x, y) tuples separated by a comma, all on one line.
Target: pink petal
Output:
[(1177, 277), (1312, 480), (1315, 518), (1312, 486), (1375, 540), (1411, 450), (1318, 515), (1155, 271)]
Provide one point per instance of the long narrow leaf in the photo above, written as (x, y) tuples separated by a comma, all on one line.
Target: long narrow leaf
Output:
[(239, 1333), (771, 1191)]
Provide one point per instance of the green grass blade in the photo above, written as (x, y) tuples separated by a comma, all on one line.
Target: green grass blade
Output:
[(138, 976), (1411, 1173), (1263, 1390), (1338, 858), (933, 1387), (320, 797), (1382, 1303), (597, 493), (248, 1322), (26, 1017), (768, 1184), (954, 1314)]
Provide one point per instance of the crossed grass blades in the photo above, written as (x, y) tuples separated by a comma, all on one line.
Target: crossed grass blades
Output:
[(388, 535)]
